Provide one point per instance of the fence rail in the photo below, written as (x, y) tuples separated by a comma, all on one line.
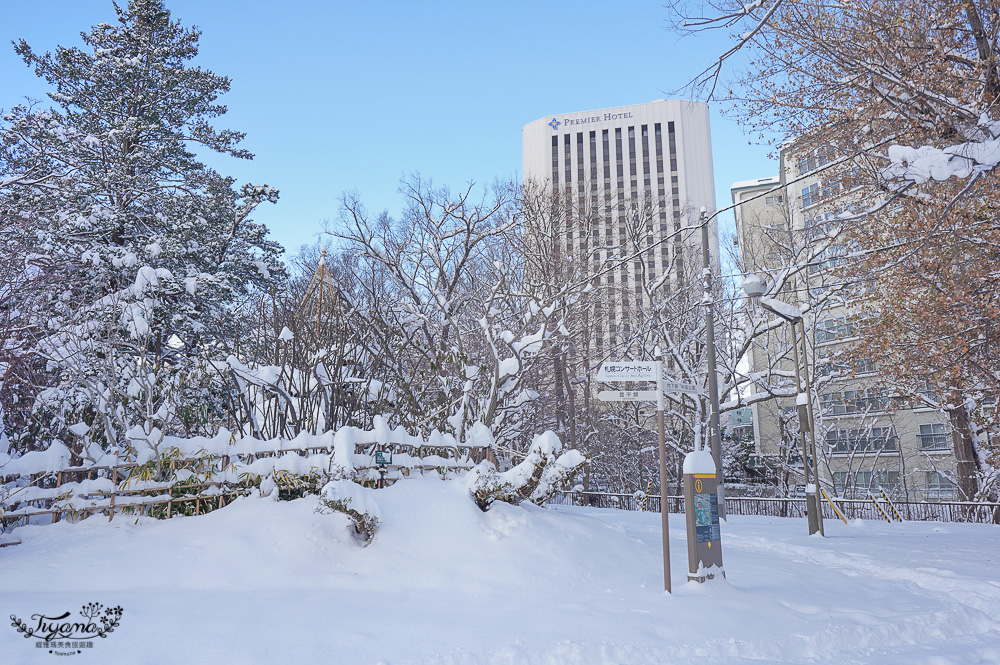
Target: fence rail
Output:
[(81, 491), (948, 511)]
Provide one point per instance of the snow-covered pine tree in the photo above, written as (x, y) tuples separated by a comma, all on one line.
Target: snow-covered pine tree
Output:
[(138, 249)]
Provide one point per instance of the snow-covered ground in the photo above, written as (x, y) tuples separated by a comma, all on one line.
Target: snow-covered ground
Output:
[(442, 582)]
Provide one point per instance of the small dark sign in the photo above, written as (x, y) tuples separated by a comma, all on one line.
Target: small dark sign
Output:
[(383, 457)]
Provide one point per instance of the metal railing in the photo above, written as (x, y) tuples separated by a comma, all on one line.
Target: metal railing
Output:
[(942, 511)]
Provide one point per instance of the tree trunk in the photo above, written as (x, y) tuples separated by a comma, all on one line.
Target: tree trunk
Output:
[(965, 454)]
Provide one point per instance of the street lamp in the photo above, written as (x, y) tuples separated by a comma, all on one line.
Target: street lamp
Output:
[(755, 288)]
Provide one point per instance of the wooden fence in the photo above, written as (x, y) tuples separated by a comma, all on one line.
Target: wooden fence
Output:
[(206, 483), (948, 511)]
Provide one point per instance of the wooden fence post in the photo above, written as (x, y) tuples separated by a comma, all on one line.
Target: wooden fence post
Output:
[(55, 513), (114, 490)]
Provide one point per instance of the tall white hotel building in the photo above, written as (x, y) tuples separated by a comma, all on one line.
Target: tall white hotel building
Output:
[(654, 157)]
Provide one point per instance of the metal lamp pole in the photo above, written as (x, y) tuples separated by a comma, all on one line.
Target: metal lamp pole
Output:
[(754, 288), (713, 385)]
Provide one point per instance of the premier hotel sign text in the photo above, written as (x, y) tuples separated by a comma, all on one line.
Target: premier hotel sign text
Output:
[(624, 115)]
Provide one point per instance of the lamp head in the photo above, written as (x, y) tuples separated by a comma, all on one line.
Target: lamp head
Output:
[(754, 286)]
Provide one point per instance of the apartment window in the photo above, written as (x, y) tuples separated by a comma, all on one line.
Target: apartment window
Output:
[(821, 225), (862, 440), (840, 479), (834, 368), (776, 199), (813, 161), (832, 330), (890, 480), (831, 257), (859, 483), (849, 402), (933, 437), (939, 486), (810, 195)]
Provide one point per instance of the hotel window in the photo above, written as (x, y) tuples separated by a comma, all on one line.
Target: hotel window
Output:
[(632, 160), (568, 154), (607, 156), (593, 160), (672, 143), (933, 437), (555, 160), (645, 156), (579, 161), (618, 158)]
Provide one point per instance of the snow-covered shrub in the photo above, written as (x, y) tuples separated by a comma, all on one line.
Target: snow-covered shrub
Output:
[(540, 475), (486, 485), (355, 501)]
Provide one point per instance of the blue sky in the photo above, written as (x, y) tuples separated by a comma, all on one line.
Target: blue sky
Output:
[(352, 96)]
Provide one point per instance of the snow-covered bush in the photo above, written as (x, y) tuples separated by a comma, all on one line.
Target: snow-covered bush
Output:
[(355, 501), (537, 478)]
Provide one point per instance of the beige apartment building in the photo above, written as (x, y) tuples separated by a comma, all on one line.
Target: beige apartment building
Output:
[(868, 437)]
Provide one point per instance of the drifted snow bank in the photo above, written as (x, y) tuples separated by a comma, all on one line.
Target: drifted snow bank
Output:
[(443, 583)]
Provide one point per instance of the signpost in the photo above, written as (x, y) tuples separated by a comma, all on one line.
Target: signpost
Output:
[(652, 371), (703, 493)]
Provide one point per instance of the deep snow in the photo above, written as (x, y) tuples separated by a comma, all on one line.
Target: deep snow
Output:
[(267, 582)]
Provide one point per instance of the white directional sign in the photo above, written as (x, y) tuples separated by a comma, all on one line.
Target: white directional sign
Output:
[(678, 387), (628, 370), (627, 396)]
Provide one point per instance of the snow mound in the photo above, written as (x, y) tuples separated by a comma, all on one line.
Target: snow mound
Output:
[(442, 582)]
